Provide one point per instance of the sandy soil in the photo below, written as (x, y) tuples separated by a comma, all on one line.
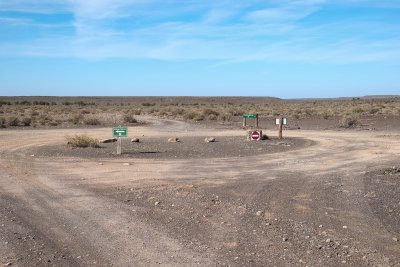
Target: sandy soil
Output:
[(334, 202)]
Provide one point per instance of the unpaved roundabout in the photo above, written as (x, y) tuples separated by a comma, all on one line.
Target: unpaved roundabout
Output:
[(327, 198)]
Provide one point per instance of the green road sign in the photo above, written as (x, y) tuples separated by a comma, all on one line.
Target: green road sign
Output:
[(250, 116), (120, 131)]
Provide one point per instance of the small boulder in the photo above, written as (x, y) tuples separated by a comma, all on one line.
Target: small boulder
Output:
[(209, 139), (135, 140), (112, 140), (173, 140)]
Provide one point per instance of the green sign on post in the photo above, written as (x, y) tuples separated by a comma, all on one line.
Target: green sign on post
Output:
[(250, 116), (120, 131)]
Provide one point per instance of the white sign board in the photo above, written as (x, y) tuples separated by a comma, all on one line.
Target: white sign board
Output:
[(283, 121)]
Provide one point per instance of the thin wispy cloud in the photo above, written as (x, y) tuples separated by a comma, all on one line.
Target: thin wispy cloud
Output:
[(225, 31)]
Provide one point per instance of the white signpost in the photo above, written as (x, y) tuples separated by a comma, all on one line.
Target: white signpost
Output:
[(283, 121), (280, 121), (120, 132)]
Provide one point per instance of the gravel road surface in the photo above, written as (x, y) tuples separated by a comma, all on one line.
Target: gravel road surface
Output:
[(331, 201)]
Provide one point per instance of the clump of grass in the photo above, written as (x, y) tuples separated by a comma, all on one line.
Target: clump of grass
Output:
[(13, 121), (82, 141), (92, 121)]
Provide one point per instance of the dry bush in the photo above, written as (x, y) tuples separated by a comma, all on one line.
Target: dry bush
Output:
[(54, 123), (193, 115), (13, 121), (358, 110), (225, 117), (349, 121), (209, 111), (325, 115), (212, 117), (82, 141), (76, 119), (44, 119), (34, 113), (129, 118), (92, 121), (3, 123), (176, 111), (136, 111), (27, 121)]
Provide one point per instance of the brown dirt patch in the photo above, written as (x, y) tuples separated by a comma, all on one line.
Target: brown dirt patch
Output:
[(188, 147)]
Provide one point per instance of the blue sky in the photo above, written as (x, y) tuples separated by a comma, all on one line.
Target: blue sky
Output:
[(287, 49)]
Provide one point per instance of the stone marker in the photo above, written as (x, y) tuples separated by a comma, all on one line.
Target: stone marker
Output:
[(209, 139), (112, 140), (173, 140)]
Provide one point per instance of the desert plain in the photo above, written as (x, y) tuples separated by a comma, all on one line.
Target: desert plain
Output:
[(327, 194)]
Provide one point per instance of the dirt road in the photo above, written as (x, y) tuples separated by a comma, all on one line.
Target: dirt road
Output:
[(316, 206)]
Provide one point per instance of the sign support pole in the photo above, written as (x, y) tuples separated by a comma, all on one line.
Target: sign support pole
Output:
[(244, 122), (256, 121), (119, 146), (280, 127)]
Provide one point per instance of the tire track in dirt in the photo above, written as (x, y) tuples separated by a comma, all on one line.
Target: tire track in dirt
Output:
[(52, 197)]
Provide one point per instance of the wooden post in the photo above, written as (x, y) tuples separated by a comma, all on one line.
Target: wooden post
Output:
[(244, 122), (119, 146), (256, 121), (280, 127)]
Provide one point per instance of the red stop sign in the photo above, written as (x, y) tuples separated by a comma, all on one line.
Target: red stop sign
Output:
[(255, 135)]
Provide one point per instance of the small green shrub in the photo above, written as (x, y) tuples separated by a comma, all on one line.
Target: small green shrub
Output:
[(13, 121), (2, 102), (147, 104), (82, 141)]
